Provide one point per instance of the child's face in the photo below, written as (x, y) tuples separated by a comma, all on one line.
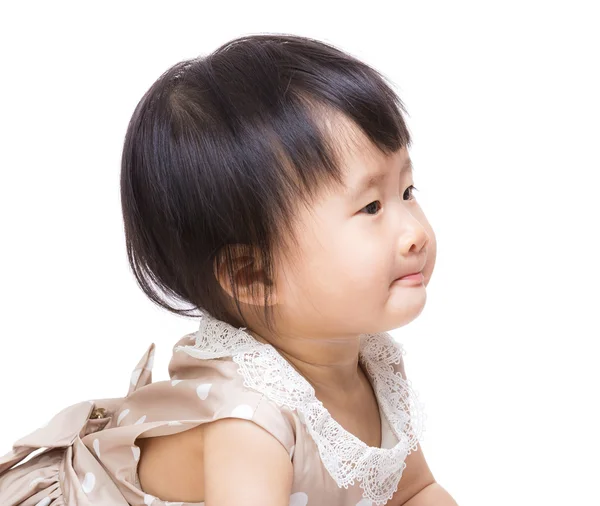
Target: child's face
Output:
[(342, 279)]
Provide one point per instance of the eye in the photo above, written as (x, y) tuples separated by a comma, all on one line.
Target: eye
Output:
[(411, 187), (373, 208)]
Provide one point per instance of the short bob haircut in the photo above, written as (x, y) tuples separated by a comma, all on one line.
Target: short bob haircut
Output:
[(220, 150)]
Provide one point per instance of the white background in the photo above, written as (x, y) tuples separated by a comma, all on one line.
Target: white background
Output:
[(504, 109)]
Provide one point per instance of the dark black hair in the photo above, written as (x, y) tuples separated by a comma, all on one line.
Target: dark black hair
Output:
[(221, 149)]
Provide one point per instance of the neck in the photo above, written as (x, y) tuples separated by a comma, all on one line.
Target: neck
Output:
[(329, 364)]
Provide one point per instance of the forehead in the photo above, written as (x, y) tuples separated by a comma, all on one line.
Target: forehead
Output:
[(368, 169), (362, 162)]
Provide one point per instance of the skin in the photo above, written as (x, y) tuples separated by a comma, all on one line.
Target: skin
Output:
[(338, 283)]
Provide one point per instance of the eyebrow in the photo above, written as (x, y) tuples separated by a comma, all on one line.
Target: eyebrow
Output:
[(372, 180)]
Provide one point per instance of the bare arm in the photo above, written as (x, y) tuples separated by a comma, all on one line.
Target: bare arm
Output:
[(244, 464), (432, 495), (418, 487)]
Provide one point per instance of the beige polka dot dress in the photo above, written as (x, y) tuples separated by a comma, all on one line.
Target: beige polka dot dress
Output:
[(222, 372)]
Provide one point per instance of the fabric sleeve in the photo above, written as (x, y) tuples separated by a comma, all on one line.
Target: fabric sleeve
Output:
[(205, 392)]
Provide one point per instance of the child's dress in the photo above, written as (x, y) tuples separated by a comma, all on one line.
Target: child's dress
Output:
[(221, 371)]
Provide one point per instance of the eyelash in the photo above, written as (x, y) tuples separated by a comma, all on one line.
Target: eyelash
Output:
[(411, 187)]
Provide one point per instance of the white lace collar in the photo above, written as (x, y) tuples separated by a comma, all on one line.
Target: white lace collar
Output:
[(346, 458)]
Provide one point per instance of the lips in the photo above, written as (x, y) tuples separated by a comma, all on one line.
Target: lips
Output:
[(415, 278), (415, 275)]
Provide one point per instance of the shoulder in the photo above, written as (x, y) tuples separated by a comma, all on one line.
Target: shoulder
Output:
[(216, 429), (249, 449), (204, 391), (241, 452), (233, 376), (237, 435)]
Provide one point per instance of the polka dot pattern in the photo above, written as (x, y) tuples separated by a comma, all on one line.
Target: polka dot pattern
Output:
[(135, 376), (298, 499), (89, 482), (136, 452), (243, 411), (122, 415), (96, 445), (205, 394), (203, 390)]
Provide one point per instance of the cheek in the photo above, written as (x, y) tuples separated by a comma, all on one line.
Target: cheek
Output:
[(336, 263), (348, 259), (431, 255)]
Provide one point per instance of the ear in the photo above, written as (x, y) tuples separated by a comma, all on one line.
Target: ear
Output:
[(248, 274)]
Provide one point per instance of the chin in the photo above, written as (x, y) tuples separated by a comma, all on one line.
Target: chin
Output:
[(407, 313), (389, 323)]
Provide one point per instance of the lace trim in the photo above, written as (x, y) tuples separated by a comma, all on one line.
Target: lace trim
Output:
[(346, 458)]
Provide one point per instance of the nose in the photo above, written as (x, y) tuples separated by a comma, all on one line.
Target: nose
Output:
[(411, 230)]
